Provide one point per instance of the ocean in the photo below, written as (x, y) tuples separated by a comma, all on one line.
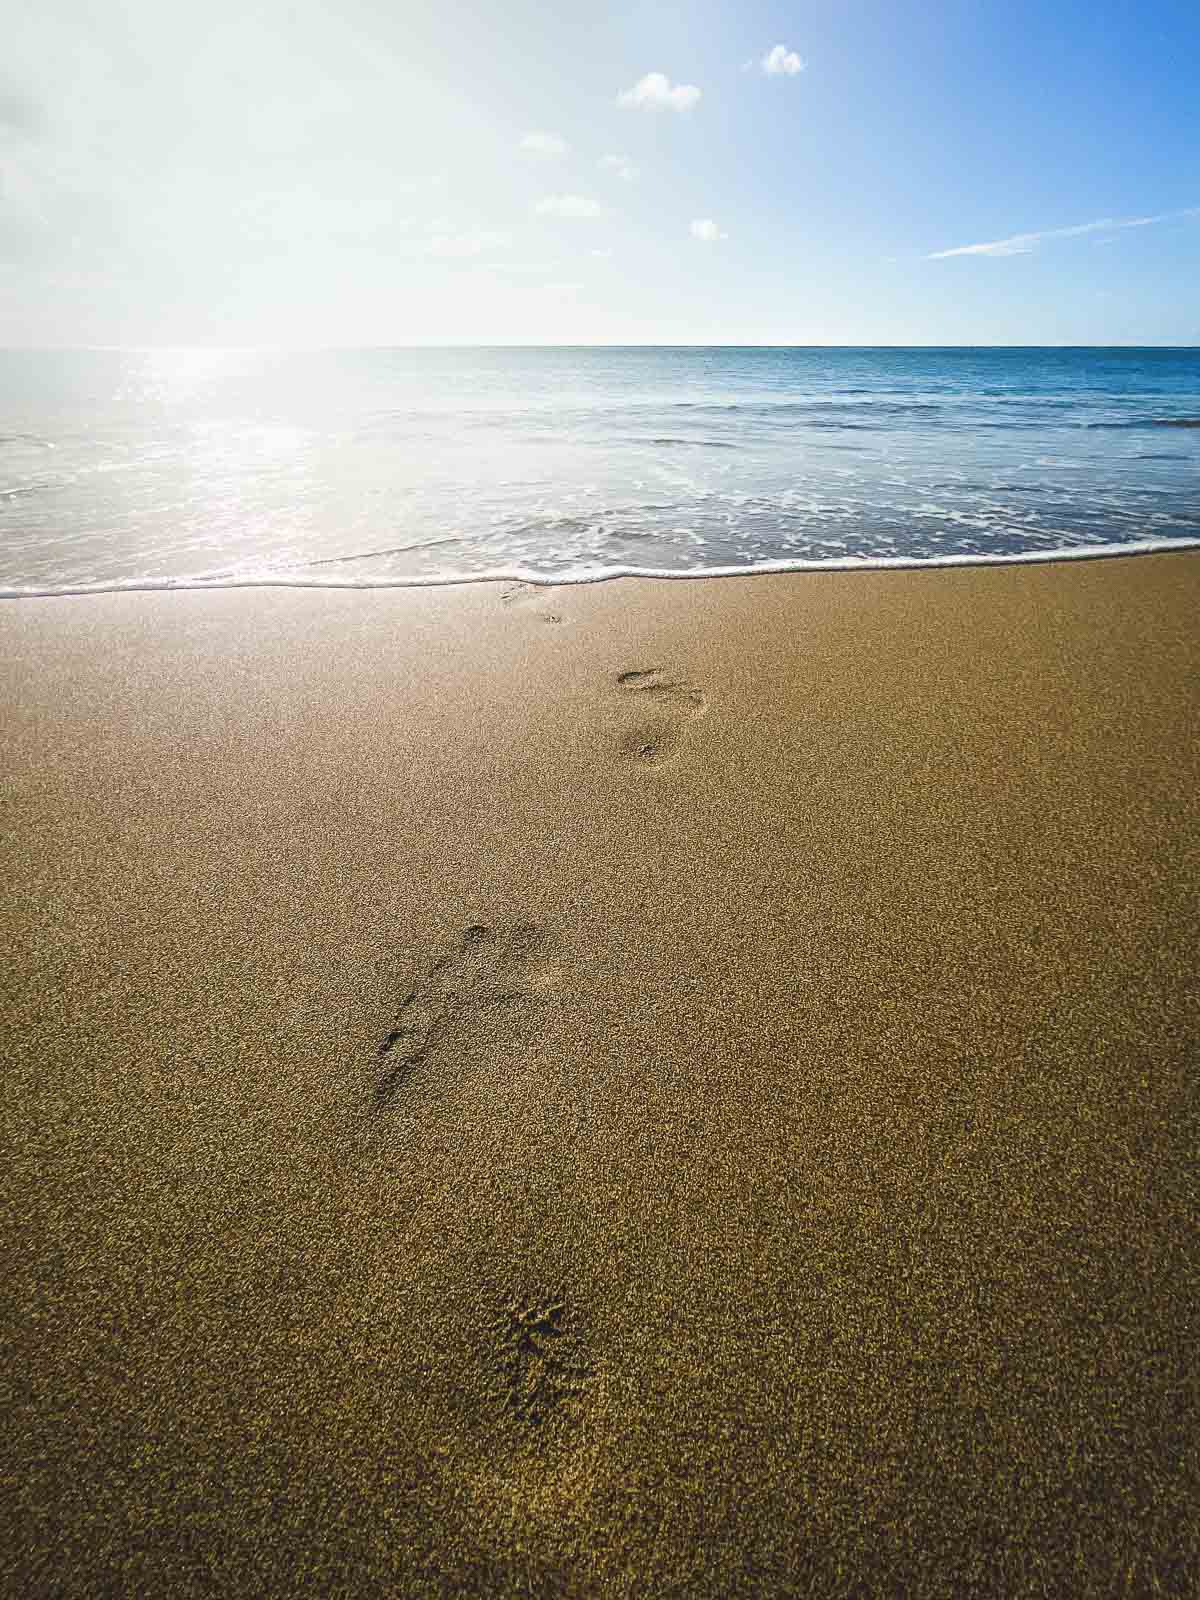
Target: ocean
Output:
[(140, 468)]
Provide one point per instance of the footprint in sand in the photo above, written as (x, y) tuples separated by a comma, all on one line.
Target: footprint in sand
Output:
[(672, 704), (539, 1358), (488, 970), (535, 598)]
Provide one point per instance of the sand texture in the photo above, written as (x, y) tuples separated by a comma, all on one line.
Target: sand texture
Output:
[(649, 1089)]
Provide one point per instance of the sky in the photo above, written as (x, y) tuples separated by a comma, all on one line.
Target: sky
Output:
[(378, 172)]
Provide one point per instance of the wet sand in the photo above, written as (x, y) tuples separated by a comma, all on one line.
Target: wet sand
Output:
[(644, 1089)]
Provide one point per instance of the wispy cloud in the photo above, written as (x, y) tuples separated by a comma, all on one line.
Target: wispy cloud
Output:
[(568, 205), (545, 144), (781, 62), (656, 92), (620, 166), (705, 229), (1020, 244)]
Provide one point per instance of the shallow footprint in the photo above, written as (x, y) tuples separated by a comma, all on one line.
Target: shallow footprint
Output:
[(656, 682), (487, 970), (652, 744), (540, 1362), (674, 702), (538, 599)]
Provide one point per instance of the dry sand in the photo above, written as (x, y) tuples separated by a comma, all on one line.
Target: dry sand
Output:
[(475, 1125)]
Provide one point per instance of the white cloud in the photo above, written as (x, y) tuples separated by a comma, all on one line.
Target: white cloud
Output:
[(706, 229), (601, 255), (782, 62), (1021, 244), (656, 92), (545, 144), (621, 167), (568, 205)]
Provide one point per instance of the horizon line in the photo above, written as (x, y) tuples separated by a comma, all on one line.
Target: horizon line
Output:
[(591, 344)]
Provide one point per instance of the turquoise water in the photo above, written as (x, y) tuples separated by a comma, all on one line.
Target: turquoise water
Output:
[(388, 466)]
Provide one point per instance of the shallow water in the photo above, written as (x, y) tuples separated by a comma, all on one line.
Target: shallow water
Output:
[(387, 466)]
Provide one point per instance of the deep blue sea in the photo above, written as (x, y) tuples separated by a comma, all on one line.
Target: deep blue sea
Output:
[(366, 467)]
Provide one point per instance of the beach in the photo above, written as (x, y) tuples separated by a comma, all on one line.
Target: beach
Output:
[(637, 1088)]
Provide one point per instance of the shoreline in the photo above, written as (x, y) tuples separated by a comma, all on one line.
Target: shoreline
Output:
[(1105, 552), (606, 1088)]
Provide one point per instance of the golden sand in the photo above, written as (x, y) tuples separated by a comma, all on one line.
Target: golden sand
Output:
[(657, 1088)]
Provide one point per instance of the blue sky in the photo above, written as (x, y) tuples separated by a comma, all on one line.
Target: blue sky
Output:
[(395, 171)]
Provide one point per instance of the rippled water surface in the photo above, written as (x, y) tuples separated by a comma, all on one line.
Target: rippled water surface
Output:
[(383, 466)]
